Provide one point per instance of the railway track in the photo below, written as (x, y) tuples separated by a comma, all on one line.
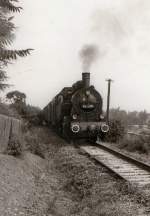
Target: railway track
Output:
[(125, 167)]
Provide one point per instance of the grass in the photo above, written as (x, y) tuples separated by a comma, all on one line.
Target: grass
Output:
[(89, 187), (140, 144), (32, 144), (38, 140), (96, 191), (14, 146)]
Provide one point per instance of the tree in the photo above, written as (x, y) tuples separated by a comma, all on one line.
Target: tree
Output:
[(3, 77), (119, 115), (6, 38), (16, 97), (116, 132), (9, 5), (133, 118), (143, 115), (18, 101)]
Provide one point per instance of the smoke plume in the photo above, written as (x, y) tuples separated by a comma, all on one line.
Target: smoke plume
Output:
[(88, 55)]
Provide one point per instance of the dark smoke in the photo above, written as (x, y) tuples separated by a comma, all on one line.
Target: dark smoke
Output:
[(88, 55)]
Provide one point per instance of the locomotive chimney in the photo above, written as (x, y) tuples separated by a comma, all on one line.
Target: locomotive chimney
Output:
[(86, 79)]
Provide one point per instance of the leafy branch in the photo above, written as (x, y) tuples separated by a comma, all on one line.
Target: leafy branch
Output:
[(9, 5), (12, 54)]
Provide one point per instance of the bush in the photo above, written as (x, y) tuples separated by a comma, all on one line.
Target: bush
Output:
[(32, 143), (14, 146), (116, 131), (31, 114), (141, 144), (5, 109)]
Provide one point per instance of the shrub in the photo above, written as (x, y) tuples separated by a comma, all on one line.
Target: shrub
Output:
[(31, 114), (116, 131), (5, 109), (32, 143), (14, 146), (140, 144)]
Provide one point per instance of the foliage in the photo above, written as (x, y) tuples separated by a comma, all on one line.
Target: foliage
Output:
[(16, 97), (90, 187), (141, 144), (33, 139), (32, 110), (120, 115), (3, 77), (116, 131), (9, 5), (19, 108), (12, 54), (129, 118), (5, 109), (6, 38), (14, 146), (142, 117), (32, 115), (28, 112), (96, 191)]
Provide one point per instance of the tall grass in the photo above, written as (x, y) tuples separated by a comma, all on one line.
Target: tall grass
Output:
[(141, 144), (92, 187)]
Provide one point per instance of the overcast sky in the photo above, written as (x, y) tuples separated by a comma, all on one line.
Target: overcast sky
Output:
[(58, 29)]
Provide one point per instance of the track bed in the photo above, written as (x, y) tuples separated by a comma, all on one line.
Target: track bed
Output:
[(125, 167)]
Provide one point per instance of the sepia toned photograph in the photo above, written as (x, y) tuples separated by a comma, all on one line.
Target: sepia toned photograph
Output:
[(75, 108)]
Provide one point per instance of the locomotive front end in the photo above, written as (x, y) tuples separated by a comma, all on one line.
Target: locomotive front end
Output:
[(91, 128), (87, 119)]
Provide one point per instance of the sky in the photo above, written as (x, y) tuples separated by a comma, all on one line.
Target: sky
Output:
[(57, 31)]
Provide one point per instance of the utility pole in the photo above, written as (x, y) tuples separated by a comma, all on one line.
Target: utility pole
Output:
[(108, 99)]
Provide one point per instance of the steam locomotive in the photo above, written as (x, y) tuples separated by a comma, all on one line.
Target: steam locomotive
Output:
[(76, 112)]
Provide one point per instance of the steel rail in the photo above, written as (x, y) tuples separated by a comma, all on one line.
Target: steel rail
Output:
[(132, 160), (125, 167)]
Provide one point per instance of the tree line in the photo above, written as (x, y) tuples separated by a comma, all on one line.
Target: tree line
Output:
[(130, 117)]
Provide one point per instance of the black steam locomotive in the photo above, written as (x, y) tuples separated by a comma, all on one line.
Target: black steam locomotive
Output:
[(76, 112)]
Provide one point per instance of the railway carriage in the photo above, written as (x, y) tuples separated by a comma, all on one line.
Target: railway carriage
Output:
[(76, 112)]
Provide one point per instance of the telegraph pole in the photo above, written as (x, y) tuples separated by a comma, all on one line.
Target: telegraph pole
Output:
[(108, 99)]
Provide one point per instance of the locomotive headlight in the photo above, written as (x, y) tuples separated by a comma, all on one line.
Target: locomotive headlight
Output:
[(101, 117), (104, 128), (74, 116), (75, 128)]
